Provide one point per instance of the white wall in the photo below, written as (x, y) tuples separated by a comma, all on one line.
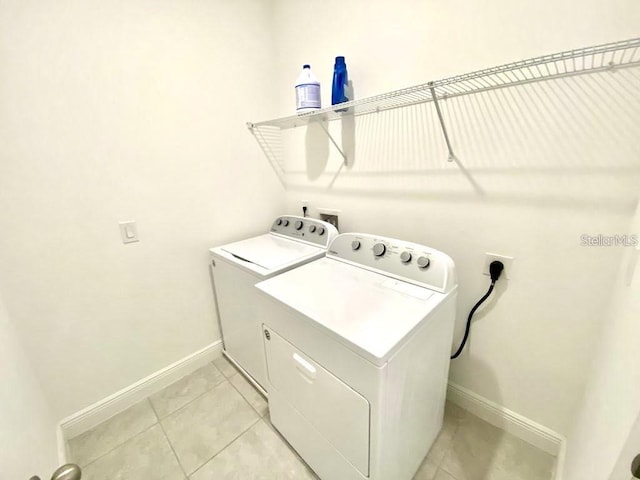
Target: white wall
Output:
[(628, 454), (119, 110), (611, 405), (27, 426), (539, 166)]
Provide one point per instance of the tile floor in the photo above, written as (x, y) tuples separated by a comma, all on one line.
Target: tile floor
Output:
[(213, 424)]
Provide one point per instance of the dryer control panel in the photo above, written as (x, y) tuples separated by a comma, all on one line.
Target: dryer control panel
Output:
[(406, 261), (306, 229)]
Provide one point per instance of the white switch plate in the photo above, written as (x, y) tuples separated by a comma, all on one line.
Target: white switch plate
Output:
[(506, 261), (129, 231)]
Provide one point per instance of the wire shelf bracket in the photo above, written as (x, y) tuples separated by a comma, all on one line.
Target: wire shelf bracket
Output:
[(335, 144), (452, 156)]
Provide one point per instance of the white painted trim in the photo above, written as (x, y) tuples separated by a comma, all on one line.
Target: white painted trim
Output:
[(559, 472), (93, 415), (512, 422), (63, 453)]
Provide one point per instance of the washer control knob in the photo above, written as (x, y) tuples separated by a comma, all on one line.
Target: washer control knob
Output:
[(299, 225), (286, 223), (423, 262), (355, 245), (379, 249), (405, 257), (279, 221), (312, 228), (320, 230)]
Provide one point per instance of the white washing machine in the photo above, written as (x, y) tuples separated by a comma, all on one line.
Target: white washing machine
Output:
[(238, 266), (357, 347)]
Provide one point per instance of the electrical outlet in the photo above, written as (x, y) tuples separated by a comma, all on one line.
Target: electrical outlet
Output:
[(305, 208), (506, 261)]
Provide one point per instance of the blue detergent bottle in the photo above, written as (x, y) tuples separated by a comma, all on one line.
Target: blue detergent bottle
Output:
[(340, 82)]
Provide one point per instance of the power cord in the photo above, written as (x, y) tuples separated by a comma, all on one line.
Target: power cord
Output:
[(495, 269)]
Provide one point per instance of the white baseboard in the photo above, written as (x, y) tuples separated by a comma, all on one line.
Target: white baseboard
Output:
[(517, 425), (93, 415)]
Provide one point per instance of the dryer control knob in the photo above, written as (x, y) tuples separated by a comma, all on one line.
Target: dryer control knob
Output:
[(299, 225), (405, 257), (312, 228), (379, 249), (286, 223), (355, 245), (423, 262), (320, 230), (279, 221)]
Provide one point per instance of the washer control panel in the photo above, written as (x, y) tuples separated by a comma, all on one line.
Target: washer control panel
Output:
[(307, 229), (407, 261)]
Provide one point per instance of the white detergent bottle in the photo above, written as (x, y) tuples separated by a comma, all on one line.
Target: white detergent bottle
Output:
[(307, 91)]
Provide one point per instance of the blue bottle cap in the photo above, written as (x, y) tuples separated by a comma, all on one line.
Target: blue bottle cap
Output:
[(306, 66), (339, 59)]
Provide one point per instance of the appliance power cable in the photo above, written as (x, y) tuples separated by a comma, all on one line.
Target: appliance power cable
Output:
[(495, 269)]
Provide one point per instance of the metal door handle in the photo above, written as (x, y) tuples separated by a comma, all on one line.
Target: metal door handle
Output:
[(69, 471)]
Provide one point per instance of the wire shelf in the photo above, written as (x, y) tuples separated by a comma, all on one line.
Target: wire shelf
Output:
[(608, 56)]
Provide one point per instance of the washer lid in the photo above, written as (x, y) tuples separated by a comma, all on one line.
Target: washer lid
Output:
[(271, 252), (368, 312)]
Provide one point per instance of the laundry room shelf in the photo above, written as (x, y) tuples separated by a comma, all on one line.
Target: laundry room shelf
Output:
[(610, 56)]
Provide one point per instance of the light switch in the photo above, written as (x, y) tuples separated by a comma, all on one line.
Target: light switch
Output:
[(129, 231)]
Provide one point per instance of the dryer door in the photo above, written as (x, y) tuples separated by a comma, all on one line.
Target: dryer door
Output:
[(332, 408)]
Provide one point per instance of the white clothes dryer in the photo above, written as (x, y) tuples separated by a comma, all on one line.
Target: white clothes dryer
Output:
[(238, 266), (357, 346)]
